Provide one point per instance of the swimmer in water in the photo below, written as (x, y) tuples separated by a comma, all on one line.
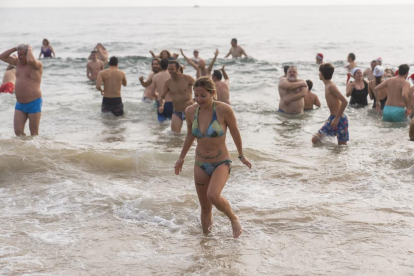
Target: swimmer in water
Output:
[(46, 50), (382, 94), (27, 91), (165, 54), (319, 58), (208, 121), (236, 51), (358, 89), (397, 106), (311, 99), (369, 71), (222, 87), (201, 69), (352, 64), (159, 81), (112, 79), (292, 92), (150, 92), (337, 123), (9, 79), (94, 66)]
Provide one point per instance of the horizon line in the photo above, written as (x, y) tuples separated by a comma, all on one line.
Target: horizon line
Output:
[(199, 6)]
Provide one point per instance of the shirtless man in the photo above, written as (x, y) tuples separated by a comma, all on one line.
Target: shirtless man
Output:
[(235, 50), (369, 71), (102, 53), (397, 107), (201, 66), (159, 81), (28, 95), (150, 93), (112, 79), (292, 91), (310, 98), (9, 79), (222, 87), (337, 123), (388, 73), (179, 86), (285, 69), (319, 58), (94, 66)]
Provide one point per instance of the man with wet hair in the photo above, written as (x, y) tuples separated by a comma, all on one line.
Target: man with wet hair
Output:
[(28, 94), (397, 107), (159, 81), (292, 92), (236, 51), (94, 66), (112, 79), (337, 123), (149, 93), (196, 59), (180, 87), (222, 87)]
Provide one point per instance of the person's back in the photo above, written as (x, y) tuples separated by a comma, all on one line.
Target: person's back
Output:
[(10, 75), (395, 91), (310, 98), (112, 79), (223, 91)]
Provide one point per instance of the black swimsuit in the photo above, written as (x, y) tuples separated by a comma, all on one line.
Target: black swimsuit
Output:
[(113, 105), (359, 97)]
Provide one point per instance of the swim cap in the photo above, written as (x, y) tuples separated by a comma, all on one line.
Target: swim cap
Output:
[(319, 56), (378, 71), (354, 70), (379, 59), (396, 72), (411, 77)]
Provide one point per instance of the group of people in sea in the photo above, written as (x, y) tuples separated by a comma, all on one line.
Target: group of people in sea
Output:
[(204, 103)]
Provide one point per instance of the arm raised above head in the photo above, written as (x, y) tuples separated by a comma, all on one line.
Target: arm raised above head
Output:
[(5, 56), (226, 77), (210, 67), (195, 66), (31, 59)]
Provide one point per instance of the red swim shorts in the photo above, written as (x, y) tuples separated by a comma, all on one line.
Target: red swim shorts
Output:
[(7, 87)]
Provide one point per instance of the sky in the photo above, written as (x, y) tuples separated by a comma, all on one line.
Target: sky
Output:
[(190, 3)]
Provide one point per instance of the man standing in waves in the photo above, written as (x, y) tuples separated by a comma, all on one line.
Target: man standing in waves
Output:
[(292, 92), (28, 95), (112, 79), (222, 87), (180, 88)]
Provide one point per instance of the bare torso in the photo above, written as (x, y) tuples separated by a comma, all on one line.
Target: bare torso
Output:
[(28, 81), (181, 91), (159, 81), (395, 91), (95, 67), (369, 74), (201, 72), (331, 100), (309, 99), (112, 79), (223, 91), (149, 90), (236, 52), (293, 107), (9, 76)]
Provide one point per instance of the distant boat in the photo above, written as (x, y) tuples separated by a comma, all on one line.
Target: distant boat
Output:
[(196, 6)]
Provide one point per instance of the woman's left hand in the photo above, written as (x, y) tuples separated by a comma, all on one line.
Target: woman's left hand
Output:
[(179, 166), (246, 162)]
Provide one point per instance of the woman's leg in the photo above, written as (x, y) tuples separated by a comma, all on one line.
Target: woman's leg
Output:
[(217, 182), (202, 179)]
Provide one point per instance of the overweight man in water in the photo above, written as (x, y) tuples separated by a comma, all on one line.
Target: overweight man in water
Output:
[(27, 90)]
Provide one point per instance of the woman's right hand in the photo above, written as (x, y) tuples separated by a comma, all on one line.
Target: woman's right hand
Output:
[(179, 166)]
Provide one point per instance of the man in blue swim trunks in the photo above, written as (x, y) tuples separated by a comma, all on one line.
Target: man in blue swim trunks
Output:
[(180, 87), (397, 106), (28, 95), (159, 81)]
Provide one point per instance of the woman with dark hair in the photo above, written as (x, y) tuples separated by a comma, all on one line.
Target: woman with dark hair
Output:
[(46, 50), (358, 89), (208, 121), (165, 54), (378, 73)]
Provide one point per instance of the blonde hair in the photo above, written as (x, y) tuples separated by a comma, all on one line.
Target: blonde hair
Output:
[(208, 84)]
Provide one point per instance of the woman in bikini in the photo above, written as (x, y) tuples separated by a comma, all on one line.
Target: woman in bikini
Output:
[(207, 121)]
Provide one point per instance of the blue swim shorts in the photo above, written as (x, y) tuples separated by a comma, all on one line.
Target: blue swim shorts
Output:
[(167, 113), (393, 113), (341, 130), (30, 108)]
